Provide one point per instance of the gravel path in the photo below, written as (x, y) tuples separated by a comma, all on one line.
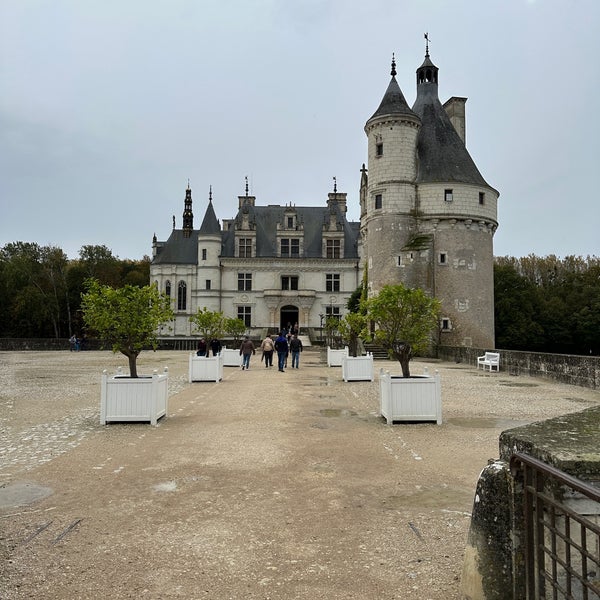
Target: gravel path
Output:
[(266, 485)]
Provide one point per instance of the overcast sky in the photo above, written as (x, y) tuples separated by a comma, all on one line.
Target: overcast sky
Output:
[(108, 107)]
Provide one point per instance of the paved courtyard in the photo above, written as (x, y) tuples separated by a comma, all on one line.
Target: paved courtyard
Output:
[(266, 485)]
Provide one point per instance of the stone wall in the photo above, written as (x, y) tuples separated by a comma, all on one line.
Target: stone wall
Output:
[(20, 344), (565, 368)]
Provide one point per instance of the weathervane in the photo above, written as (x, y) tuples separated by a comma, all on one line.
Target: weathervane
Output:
[(426, 36), (335, 185)]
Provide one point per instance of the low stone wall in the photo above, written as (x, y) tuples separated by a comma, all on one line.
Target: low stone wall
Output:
[(20, 344), (494, 557), (565, 368)]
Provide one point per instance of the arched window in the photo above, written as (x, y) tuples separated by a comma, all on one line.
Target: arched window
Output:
[(168, 288), (181, 296)]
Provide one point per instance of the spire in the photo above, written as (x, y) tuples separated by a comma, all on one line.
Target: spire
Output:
[(246, 186), (188, 215), (210, 223), (393, 102), (427, 73)]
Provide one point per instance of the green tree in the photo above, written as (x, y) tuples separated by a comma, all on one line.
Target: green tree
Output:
[(99, 263), (234, 327), (353, 327), (332, 333), (405, 319), (209, 324), (127, 318)]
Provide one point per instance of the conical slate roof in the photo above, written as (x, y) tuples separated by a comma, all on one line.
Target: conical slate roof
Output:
[(210, 223), (393, 102)]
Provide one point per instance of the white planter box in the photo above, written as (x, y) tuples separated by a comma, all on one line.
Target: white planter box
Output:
[(126, 399), (334, 357), (410, 399), (357, 368), (231, 358), (205, 369)]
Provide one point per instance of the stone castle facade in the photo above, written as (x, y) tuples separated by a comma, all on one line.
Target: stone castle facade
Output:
[(427, 219)]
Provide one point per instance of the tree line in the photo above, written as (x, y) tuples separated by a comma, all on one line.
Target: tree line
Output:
[(548, 304), (40, 287), (543, 304)]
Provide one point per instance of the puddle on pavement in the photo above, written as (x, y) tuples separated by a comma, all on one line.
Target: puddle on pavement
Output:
[(318, 381), (519, 384), (22, 493), (429, 498), (485, 422), (337, 412)]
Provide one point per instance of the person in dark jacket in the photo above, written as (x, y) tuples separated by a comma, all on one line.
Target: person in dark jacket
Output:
[(202, 347), (215, 346), (246, 351), (281, 346), (295, 349)]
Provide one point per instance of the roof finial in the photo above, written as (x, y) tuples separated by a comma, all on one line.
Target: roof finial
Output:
[(393, 65), (246, 186), (210, 194), (188, 183), (335, 185), (426, 35)]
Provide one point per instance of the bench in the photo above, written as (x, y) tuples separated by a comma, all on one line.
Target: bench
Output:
[(491, 360)]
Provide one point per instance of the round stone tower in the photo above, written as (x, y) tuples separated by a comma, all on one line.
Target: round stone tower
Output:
[(437, 215), (388, 194)]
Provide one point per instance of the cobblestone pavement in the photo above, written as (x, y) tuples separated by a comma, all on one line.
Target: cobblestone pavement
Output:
[(266, 485)]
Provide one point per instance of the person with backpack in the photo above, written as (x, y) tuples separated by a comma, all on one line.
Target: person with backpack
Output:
[(281, 346), (295, 349), (267, 348)]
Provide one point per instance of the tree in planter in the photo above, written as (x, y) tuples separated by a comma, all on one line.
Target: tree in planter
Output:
[(352, 328), (127, 318), (405, 319), (235, 328), (332, 335), (208, 323)]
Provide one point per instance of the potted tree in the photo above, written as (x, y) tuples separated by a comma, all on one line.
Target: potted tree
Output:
[(404, 320), (355, 367), (128, 319), (335, 348), (209, 324), (234, 328)]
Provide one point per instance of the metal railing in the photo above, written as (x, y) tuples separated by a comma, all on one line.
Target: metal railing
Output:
[(561, 519)]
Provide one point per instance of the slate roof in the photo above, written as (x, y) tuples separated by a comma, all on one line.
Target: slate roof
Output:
[(178, 249), (184, 250), (393, 103), (443, 156), (266, 218), (210, 223)]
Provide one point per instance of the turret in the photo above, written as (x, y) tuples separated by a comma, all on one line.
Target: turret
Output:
[(188, 215), (388, 204)]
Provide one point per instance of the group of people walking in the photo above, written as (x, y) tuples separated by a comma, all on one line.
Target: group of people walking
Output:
[(283, 345), (204, 348)]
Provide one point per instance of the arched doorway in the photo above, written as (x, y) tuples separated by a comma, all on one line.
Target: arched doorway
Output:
[(288, 316)]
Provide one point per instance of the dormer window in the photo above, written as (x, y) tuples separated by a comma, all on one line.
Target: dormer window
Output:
[(245, 247), (290, 247), (333, 248)]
